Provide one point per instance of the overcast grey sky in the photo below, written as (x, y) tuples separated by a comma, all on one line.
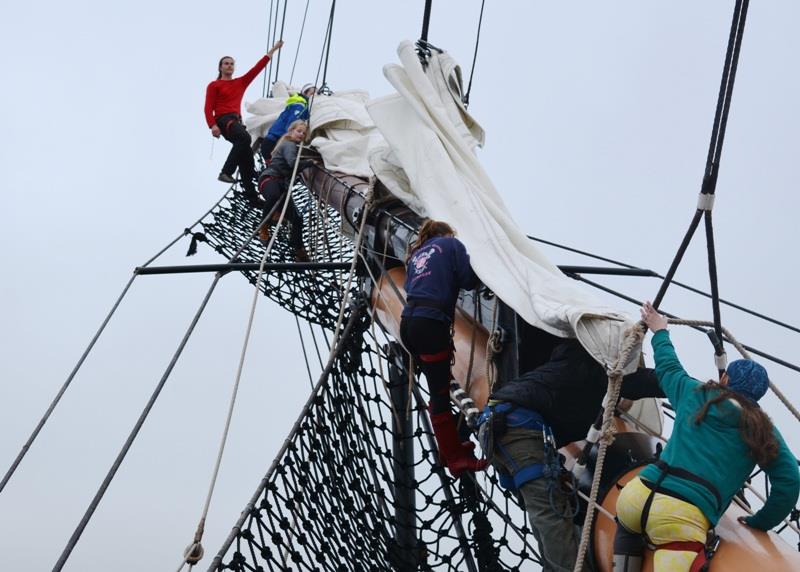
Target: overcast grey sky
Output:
[(598, 118)]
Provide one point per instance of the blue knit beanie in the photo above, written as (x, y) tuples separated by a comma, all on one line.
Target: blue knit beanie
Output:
[(748, 378)]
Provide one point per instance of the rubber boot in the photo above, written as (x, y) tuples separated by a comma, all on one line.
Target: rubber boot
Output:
[(457, 456)]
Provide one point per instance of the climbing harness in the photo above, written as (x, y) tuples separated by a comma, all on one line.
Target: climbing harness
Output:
[(493, 424), (705, 551)]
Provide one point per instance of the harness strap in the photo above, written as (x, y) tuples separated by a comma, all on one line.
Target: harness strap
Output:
[(683, 546), (689, 476), (700, 562), (437, 357)]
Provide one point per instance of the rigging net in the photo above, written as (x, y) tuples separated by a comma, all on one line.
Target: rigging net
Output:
[(362, 451)]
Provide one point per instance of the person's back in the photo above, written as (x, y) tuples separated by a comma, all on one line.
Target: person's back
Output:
[(716, 442), (435, 273)]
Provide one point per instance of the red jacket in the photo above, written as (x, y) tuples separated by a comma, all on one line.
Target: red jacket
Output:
[(224, 96)]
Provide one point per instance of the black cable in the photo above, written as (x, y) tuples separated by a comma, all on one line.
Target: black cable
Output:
[(300, 41), (274, 35), (675, 282), (269, 45), (129, 442), (627, 298), (328, 48), (305, 354), (475, 55), (151, 402), (101, 329), (717, 135), (426, 20), (283, 22)]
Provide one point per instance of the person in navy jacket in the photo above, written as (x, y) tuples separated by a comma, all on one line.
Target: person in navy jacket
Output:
[(437, 268), (296, 109)]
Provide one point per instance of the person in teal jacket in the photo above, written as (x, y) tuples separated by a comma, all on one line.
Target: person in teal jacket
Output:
[(720, 434)]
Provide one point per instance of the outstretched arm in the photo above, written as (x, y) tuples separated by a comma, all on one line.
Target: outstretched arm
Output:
[(261, 64), (672, 378)]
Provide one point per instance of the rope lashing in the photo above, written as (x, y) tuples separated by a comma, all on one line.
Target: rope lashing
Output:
[(633, 339), (745, 354)]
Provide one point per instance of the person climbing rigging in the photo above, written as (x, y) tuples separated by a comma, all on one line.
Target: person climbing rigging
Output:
[(296, 109), (222, 112), (437, 268), (529, 418), (674, 503), (274, 182)]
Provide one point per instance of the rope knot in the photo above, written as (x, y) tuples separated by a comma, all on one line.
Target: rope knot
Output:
[(193, 553)]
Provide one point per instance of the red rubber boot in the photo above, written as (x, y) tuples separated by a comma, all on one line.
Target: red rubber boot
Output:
[(457, 456)]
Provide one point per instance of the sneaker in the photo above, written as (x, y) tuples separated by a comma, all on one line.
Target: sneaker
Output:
[(263, 233), (225, 178), (300, 255)]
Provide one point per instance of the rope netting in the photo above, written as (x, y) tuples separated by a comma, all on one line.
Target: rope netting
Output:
[(358, 460), (312, 296), (331, 502)]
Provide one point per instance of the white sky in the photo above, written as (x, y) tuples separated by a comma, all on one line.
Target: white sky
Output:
[(598, 119)]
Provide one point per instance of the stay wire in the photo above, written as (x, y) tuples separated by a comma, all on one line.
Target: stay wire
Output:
[(305, 353), (146, 411), (299, 42), (274, 36), (475, 55), (329, 37), (91, 345), (637, 302), (269, 45), (283, 23), (717, 136), (682, 285)]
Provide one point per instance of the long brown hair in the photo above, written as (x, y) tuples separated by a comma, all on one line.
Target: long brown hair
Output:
[(755, 426), (429, 229), (292, 125), (219, 65)]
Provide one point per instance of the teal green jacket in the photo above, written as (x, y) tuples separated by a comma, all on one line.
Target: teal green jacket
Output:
[(714, 449)]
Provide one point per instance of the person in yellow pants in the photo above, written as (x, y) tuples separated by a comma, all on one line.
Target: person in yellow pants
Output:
[(670, 520), (676, 501)]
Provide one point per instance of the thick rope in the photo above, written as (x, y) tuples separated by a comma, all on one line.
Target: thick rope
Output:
[(745, 354), (194, 552), (633, 339)]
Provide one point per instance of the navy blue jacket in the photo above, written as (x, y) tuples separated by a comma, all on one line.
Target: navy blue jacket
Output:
[(568, 390), (434, 274)]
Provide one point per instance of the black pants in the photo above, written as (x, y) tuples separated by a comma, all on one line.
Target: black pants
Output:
[(241, 154), (426, 336), (267, 145), (272, 190)]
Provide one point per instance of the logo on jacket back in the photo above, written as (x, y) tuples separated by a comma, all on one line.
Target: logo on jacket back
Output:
[(420, 262)]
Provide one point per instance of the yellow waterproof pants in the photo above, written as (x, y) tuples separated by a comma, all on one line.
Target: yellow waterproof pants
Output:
[(670, 520)]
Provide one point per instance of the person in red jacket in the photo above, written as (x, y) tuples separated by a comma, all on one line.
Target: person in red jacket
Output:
[(223, 108)]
